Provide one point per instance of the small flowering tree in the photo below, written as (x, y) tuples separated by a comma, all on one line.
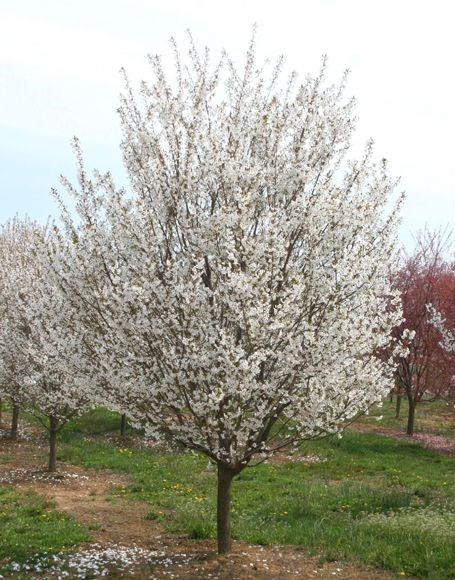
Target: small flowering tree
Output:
[(236, 299), (426, 371), (15, 261), (34, 336), (9, 390), (55, 392)]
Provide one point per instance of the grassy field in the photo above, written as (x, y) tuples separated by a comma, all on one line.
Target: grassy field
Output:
[(365, 498), (435, 417), (30, 525), (375, 500)]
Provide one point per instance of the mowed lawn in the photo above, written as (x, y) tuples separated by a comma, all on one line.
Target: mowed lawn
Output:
[(364, 498)]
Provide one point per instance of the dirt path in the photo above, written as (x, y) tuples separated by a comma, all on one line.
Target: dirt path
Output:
[(125, 544)]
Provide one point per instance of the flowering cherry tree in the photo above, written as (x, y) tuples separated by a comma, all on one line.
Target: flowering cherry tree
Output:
[(15, 261), (54, 389), (35, 336), (235, 300)]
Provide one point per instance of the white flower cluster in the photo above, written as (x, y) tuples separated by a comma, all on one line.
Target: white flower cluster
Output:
[(33, 372), (438, 321), (16, 263)]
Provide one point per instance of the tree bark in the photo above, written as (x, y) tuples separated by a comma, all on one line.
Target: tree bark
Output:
[(53, 430), (398, 407), (223, 519), (411, 417), (123, 426), (15, 421)]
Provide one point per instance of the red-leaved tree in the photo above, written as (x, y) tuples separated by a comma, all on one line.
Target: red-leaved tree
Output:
[(427, 372)]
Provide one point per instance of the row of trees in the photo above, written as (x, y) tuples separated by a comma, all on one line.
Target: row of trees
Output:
[(237, 298)]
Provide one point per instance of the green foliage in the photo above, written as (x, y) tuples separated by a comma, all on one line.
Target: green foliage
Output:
[(29, 525), (360, 502)]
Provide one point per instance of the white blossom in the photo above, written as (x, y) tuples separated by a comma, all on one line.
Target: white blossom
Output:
[(242, 281), (439, 322), (36, 331)]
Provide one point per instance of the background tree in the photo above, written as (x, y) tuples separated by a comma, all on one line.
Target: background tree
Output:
[(445, 324), (236, 299), (34, 336), (55, 393), (425, 277), (16, 241)]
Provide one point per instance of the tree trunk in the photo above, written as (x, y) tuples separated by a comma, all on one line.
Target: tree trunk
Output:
[(391, 396), (223, 515), (53, 430), (15, 421), (398, 407), (411, 417), (1, 414), (123, 426)]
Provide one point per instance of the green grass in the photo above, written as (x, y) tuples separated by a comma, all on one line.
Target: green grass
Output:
[(373, 500), (436, 417), (377, 501), (96, 421), (29, 526)]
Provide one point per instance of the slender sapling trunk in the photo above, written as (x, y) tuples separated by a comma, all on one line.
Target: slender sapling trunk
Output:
[(15, 421), (123, 426), (225, 476), (398, 407), (53, 431), (411, 418)]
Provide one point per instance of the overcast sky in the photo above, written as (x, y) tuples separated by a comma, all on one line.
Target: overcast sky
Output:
[(59, 76)]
